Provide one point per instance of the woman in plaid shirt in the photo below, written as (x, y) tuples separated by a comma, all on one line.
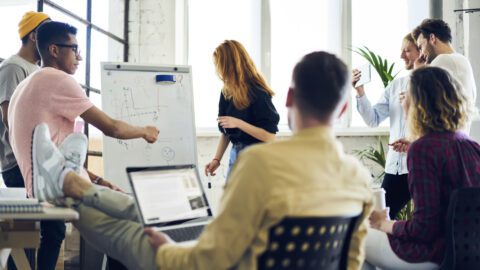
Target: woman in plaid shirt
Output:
[(440, 160)]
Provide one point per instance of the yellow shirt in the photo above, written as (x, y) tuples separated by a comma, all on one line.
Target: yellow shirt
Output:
[(307, 175)]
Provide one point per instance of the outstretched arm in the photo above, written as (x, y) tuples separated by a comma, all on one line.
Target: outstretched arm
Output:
[(118, 129)]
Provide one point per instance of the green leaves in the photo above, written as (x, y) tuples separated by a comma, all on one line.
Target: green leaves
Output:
[(406, 213), (383, 68), (376, 155)]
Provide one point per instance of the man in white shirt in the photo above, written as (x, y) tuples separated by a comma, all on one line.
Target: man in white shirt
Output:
[(434, 39), (388, 106)]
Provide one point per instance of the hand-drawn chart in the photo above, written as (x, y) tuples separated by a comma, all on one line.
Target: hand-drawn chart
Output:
[(140, 96)]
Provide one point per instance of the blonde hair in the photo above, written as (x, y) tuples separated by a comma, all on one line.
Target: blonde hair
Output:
[(438, 103), (409, 38), (238, 73)]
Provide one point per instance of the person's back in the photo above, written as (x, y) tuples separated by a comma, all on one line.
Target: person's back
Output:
[(51, 96), (458, 160), (12, 71), (455, 165), (307, 175)]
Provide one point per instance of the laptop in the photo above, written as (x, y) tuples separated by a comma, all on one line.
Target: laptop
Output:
[(171, 199)]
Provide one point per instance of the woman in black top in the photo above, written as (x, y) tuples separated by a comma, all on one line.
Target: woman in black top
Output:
[(246, 114)]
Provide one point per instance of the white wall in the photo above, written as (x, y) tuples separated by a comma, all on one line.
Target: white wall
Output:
[(466, 40), (152, 31)]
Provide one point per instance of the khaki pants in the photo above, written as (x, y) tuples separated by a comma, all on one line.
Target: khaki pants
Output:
[(109, 222)]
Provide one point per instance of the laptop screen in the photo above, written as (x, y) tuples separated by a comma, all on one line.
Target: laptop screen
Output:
[(168, 194)]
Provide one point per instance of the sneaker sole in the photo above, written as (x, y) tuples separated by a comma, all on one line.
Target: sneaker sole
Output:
[(35, 171), (33, 167)]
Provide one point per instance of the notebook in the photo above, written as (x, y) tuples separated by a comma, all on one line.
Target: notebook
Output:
[(20, 206), (171, 199)]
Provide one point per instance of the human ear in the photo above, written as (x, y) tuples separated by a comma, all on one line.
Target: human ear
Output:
[(290, 98)]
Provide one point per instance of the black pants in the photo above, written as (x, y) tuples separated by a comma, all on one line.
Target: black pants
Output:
[(52, 233), (397, 193)]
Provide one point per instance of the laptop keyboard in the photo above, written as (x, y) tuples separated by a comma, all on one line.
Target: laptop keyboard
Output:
[(185, 234)]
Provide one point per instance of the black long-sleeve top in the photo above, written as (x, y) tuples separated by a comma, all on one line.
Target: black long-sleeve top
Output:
[(260, 113)]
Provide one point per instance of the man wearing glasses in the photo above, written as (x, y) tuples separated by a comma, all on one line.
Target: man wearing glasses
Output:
[(52, 95)]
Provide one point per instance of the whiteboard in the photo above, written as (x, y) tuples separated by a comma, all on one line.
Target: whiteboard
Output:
[(131, 93)]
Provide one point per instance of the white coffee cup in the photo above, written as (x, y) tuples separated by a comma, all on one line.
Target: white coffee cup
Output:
[(379, 199)]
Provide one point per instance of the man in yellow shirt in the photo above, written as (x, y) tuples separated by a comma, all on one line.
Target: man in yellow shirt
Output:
[(306, 175)]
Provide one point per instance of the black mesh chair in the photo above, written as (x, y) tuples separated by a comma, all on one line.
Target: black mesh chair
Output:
[(463, 230), (309, 243)]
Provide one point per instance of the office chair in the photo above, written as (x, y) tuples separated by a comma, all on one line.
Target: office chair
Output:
[(463, 230), (309, 243)]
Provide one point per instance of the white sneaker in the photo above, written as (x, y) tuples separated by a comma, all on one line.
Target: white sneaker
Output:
[(48, 164), (74, 149)]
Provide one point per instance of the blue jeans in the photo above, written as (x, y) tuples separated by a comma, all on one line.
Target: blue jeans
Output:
[(236, 149), (52, 232)]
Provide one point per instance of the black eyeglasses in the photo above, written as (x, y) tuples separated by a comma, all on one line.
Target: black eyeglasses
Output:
[(74, 47)]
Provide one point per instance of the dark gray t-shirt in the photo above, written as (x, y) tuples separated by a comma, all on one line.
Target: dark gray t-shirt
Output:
[(12, 71)]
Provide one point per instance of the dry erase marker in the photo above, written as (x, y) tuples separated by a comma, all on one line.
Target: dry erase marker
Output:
[(165, 79)]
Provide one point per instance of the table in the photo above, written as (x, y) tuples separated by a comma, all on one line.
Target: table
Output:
[(22, 230)]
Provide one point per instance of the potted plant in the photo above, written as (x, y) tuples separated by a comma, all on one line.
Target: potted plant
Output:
[(377, 156)]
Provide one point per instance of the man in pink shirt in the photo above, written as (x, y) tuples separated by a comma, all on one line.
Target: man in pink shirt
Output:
[(52, 96)]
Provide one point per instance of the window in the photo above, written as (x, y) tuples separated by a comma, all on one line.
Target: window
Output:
[(210, 23), (81, 31), (292, 29), (297, 28), (102, 47), (382, 32), (10, 15)]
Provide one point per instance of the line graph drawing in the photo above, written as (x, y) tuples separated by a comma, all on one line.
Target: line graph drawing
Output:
[(134, 96)]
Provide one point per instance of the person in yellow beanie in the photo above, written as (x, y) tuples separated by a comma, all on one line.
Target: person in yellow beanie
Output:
[(30, 21), (12, 71)]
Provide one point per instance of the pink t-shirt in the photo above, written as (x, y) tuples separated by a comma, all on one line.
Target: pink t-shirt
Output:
[(47, 96)]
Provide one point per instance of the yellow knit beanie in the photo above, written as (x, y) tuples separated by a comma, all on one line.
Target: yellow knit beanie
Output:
[(30, 21)]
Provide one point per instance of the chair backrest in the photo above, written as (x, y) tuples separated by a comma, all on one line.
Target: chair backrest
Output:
[(309, 243), (463, 230)]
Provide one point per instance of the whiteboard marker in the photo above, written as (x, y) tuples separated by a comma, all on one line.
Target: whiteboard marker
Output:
[(165, 79)]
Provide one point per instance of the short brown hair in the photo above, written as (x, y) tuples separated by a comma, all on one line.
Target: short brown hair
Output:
[(320, 84), (433, 26)]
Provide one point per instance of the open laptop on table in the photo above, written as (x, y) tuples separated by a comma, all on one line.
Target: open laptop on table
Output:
[(171, 199)]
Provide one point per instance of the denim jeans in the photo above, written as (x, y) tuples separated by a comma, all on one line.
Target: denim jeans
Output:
[(236, 149), (52, 232)]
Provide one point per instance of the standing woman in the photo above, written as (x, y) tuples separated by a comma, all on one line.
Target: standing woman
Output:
[(246, 114)]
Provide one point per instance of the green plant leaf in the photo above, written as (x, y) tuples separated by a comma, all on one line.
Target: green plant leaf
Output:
[(384, 70)]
